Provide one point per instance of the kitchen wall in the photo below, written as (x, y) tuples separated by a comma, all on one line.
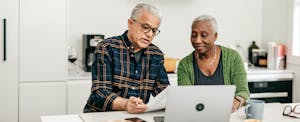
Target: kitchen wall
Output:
[(239, 21), (296, 83), (277, 27), (275, 21)]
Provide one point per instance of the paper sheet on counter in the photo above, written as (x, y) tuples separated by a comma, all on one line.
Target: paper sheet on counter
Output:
[(158, 102)]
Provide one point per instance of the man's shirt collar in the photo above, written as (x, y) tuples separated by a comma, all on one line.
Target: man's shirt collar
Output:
[(127, 42)]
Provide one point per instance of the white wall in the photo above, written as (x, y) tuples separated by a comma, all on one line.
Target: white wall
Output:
[(277, 16), (239, 21), (275, 21)]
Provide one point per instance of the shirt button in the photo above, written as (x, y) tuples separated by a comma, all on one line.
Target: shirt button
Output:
[(133, 87), (136, 71)]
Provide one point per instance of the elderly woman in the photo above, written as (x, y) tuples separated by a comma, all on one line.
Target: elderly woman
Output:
[(211, 64)]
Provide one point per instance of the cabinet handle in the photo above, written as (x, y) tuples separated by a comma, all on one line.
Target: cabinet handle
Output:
[(4, 39)]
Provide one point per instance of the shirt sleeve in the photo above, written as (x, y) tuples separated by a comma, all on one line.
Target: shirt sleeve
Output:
[(162, 81), (101, 97)]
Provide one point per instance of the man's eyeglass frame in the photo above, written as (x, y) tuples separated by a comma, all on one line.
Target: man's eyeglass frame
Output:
[(146, 28)]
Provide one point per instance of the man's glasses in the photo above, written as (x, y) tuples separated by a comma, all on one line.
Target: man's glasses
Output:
[(292, 111), (146, 28)]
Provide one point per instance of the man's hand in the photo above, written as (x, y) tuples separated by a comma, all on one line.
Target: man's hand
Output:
[(135, 105)]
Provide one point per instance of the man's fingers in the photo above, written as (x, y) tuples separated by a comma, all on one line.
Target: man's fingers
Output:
[(141, 106)]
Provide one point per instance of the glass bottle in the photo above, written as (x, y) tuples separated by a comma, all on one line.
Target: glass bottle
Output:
[(250, 53)]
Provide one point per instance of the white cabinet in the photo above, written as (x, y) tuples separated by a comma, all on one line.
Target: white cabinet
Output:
[(35, 53), (9, 67), (43, 40), (42, 59), (78, 93), (37, 99)]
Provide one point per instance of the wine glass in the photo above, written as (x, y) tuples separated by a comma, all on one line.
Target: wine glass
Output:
[(72, 57)]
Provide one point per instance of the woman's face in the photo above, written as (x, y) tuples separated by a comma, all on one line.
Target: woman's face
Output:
[(203, 36)]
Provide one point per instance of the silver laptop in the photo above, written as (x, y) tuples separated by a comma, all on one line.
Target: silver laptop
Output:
[(203, 103)]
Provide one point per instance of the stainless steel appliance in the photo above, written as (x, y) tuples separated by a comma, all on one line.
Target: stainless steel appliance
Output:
[(272, 91), (90, 42), (271, 85)]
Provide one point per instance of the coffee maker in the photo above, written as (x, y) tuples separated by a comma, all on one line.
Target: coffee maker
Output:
[(90, 42)]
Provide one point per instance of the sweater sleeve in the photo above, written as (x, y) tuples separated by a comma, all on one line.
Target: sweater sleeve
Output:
[(239, 77), (184, 72)]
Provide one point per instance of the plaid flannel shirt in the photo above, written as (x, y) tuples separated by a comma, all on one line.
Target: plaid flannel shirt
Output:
[(115, 72)]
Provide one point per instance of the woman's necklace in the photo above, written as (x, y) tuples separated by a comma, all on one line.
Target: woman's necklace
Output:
[(214, 58)]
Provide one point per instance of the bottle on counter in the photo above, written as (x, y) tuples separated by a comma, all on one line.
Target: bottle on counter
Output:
[(250, 52), (276, 56), (272, 49), (281, 57)]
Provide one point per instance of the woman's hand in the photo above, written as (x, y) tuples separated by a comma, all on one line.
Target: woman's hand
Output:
[(236, 105)]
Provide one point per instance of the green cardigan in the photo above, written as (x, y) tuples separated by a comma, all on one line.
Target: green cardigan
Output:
[(233, 71)]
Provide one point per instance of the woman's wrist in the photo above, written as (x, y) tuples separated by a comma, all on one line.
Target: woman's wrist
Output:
[(240, 99)]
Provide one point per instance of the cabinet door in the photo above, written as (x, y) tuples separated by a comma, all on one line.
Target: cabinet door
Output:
[(43, 40), (78, 93), (37, 99), (9, 60)]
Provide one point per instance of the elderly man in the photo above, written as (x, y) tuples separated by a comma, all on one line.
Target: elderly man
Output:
[(128, 68), (211, 64)]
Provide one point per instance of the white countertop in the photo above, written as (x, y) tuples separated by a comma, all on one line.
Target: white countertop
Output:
[(263, 74), (272, 113), (88, 76), (253, 74)]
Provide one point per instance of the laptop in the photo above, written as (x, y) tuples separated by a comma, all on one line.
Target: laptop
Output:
[(202, 103)]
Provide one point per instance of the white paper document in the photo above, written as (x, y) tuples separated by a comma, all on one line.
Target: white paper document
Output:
[(158, 102)]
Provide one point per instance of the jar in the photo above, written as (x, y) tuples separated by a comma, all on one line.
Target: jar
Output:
[(250, 52), (259, 57)]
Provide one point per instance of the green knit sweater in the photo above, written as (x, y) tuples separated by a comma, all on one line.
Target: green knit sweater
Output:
[(233, 71)]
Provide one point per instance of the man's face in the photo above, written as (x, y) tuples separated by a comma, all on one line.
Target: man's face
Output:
[(142, 30), (203, 36)]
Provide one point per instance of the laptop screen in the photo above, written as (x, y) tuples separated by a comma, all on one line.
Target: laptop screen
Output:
[(208, 103)]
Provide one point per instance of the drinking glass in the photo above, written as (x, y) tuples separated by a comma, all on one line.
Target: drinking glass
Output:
[(72, 57)]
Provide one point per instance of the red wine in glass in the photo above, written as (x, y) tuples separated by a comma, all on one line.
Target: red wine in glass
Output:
[(72, 60), (72, 57)]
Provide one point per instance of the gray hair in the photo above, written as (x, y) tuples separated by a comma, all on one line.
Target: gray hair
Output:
[(146, 7), (209, 19)]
